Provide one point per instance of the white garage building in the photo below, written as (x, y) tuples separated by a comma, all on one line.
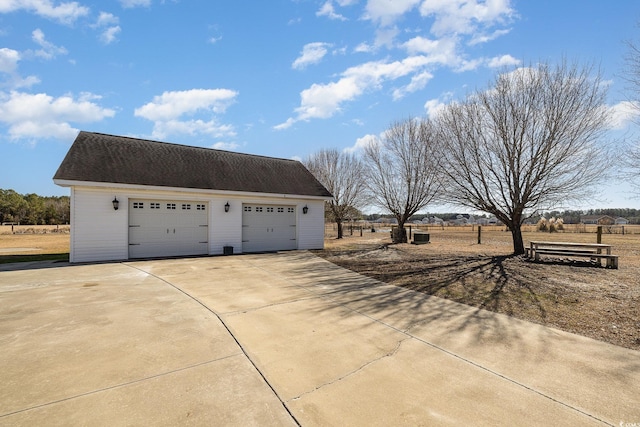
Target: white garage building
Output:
[(134, 198)]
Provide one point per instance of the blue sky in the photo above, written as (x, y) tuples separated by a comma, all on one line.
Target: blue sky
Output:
[(281, 78)]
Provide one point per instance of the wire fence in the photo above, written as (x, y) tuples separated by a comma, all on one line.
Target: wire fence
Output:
[(361, 227)]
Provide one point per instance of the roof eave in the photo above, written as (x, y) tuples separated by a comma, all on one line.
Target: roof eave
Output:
[(133, 187)]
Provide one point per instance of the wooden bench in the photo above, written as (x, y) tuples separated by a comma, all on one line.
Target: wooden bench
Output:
[(592, 251)]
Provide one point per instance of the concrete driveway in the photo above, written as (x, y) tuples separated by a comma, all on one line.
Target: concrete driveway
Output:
[(285, 339)]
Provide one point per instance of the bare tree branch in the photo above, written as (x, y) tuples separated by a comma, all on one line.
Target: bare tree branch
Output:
[(403, 174), (343, 175), (632, 152), (532, 141)]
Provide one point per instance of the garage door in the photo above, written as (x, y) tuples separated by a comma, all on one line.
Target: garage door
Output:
[(268, 228), (160, 228)]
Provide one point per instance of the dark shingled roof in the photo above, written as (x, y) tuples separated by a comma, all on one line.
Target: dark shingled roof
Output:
[(96, 157)]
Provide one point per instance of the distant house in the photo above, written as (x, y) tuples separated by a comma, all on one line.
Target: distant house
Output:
[(597, 219), (621, 221)]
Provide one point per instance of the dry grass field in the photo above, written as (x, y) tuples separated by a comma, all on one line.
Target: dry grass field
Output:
[(574, 296), (33, 242)]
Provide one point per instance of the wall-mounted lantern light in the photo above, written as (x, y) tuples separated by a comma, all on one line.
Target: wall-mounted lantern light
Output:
[(116, 204), (226, 207), (305, 210)]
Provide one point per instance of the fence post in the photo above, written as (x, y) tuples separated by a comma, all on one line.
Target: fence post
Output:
[(599, 238), (361, 231), (479, 234)]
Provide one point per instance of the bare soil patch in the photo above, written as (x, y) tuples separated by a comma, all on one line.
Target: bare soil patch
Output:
[(574, 296)]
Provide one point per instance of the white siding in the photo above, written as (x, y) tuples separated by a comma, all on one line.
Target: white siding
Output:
[(225, 228), (311, 225), (98, 232)]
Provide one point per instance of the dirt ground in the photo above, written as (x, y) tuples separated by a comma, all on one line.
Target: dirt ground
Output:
[(575, 296)]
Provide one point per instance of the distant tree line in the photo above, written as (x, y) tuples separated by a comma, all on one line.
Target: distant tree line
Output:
[(32, 209)]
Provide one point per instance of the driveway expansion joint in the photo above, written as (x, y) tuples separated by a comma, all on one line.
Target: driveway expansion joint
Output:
[(231, 334), (124, 384), (391, 353)]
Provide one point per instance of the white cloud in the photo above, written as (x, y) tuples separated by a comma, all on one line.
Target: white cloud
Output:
[(623, 114), (386, 12), (469, 65), (464, 16), (105, 19), (386, 37), (9, 59), (364, 48), (135, 3), (167, 109), (361, 143), (503, 61), (433, 107), (229, 146), (162, 129), (214, 40), (312, 53), (110, 21), (328, 11), (285, 125), (49, 50), (109, 35), (43, 116), (65, 12), (442, 51), (483, 38), (321, 101), (418, 82), (171, 105)]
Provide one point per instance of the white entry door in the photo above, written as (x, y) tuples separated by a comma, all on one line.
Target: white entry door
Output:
[(159, 228), (267, 228)]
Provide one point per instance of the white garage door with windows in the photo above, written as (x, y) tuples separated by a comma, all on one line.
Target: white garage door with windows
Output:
[(268, 228), (160, 228)]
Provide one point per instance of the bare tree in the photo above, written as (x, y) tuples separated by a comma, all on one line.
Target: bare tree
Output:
[(632, 76), (403, 174), (343, 175), (532, 141)]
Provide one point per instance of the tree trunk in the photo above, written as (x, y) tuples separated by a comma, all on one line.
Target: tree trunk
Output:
[(339, 229), (399, 234), (518, 242)]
